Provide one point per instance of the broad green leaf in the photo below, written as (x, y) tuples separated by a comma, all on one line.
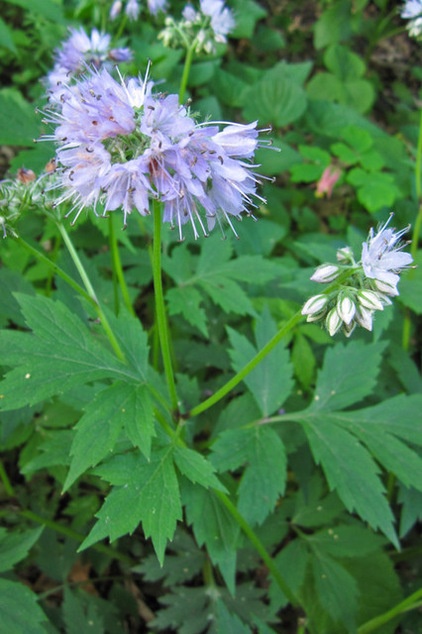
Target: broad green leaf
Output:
[(186, 301), (149, 496), (60, 354), (229, 87), (351, 471), (313, 507), (345, 64), (6, 37), (117, 407), (348, 375), (15, 546), (264, 478), (292, 562), (271, 382), (247, 14), (19, 124), (80, 614), (196, 468), (374, 190), (54, 450), (273, 163), (336, 589), (12, 282), (212, 525), (346, 541), (133, 340), (279, 101), (19, 610), (334, 25)]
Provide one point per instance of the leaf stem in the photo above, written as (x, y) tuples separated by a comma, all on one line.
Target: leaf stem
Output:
[(259, 546), (87, 283), (227, 387), (160, 308), (186, 71), (117, 267)]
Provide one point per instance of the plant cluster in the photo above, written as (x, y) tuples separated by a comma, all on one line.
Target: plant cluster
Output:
[(192, 438)]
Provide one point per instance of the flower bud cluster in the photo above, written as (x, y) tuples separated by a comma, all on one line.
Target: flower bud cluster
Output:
[(412, 11), (358, 289), (199, 30)]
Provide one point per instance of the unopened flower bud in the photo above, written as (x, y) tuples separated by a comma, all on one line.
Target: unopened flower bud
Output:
[(345, 255), (115, 10), (325, 273), (314, 305), (349, 328), (370, 299), (346, 309), (333, 322), (364, 317), (386, 288)]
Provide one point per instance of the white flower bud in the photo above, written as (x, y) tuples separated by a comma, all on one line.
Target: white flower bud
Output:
[(364, 317), (385, 287), (314, 305), (370, 299), (349, 329), (346, 309), (325, 273), (333, 322), (345, 255)]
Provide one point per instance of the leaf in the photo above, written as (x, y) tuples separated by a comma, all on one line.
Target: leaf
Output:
[(352, 472), (80, 614), (271, 382), (346, 541), (348, 375), (47, 8), (213, 526), (15, 546), (334, 25), (292, 562), (247, 13), (150, 495), (196, 468), (186, 301), (18, 122), (411, 512), (276, 100), (60, 354), (113, 409), (6, 37), (19, 609)]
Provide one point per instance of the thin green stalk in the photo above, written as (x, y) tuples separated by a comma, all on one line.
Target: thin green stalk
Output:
[(43, 258), (87, 283), (160, 308), (8, 488), (410, 603), (259, 546), (227, 387), (117, 267), (186, 71), (416, 228)]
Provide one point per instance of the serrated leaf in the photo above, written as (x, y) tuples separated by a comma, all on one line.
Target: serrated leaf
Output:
[(80, 614), (15, 546), (292, 562), (197, 468), (346, 541), (337, 590), (264, 478), (19, 609), (60, 354), (186, 301), (117, 407), (150, 496), (352, 472), (213, 526), (271, 382), (133, 341), (348, 375)]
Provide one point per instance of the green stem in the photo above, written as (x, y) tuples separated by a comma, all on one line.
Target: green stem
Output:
[(160, 308), (410, 603), (43, 258), (416, 228), (259, 546), (117, 267), (8, 488), (87, 283), (227, 387), (186, 71)]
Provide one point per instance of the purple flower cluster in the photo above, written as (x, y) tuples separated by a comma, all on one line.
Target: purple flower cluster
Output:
[(120, 145), (79, 52)]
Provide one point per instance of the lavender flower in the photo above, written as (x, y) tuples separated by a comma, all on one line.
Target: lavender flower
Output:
[(120, 145), (359, 288), (412, 11), (132, 9), (77, 53), (155, 6), (222, 20)]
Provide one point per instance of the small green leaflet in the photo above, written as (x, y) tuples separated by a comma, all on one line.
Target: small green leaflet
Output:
[(81, 614), (120, 406), (149, 495), (15, 546), (264, 478), (19, 609), (271, 382), (196, 468), (60, 354)]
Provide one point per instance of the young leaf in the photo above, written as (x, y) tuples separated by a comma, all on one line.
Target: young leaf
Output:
[(348, 375), (15, 546), (119, 406), (150, 495), (352, 472), (19, 609)]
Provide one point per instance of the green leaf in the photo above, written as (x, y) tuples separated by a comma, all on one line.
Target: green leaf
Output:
[(81, 614), (346, 541), (228, 87), (47, 8), (343, 63), (352, 472), (18, 122), (264, 478), (196, 468), (186, 301), (15, 546), (336, 589), (279, 101), (60, 354), (375, 190), (6, 37), (411, 511), (411, 286), (348, 375), (292, 562), (334, 25), (271, 382), (19, 610), (149, 495), (247, 14)]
